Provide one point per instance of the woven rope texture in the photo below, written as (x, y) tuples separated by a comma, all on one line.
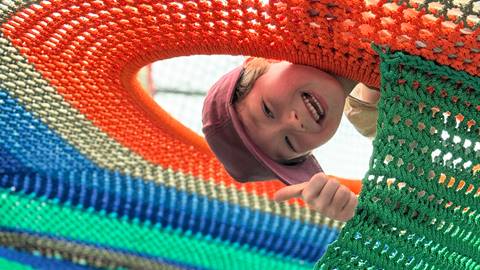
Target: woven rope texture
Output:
[(93, 174)]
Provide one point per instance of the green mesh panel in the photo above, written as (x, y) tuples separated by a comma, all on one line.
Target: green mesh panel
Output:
[(6, 264), (101, 229), (420, 197)]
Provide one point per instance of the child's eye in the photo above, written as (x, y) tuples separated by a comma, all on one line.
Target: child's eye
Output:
[(267, 110)]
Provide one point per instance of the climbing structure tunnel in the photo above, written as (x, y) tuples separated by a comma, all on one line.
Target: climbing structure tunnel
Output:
[(94, 174)]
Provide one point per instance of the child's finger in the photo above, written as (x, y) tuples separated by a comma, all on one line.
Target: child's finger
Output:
[(341, 198), (352, 204), (323, 202), (349, 210), (314, 187), (289, 192), (325, 198)]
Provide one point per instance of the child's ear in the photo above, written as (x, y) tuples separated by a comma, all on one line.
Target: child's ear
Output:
[(346, 83), (248, 59)]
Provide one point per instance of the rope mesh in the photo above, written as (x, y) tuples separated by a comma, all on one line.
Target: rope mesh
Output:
[(92, 171)]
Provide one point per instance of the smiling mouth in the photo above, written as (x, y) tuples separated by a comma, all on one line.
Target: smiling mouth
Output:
[(314, 107)]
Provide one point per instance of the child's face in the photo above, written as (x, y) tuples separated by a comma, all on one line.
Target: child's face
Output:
[(277, 114)]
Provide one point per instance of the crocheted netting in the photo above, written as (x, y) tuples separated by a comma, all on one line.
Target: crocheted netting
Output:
[(93, 174)]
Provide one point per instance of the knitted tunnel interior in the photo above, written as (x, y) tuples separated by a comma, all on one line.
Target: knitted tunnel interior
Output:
[(94, 174)]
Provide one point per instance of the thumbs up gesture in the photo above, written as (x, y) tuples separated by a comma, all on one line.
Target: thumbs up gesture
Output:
[(324, 195)]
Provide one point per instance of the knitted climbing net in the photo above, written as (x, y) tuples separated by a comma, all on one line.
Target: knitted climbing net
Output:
[(94, 174)]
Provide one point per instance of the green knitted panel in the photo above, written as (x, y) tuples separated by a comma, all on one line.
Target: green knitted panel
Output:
[(8, 265), (133, 236), (419, 206)]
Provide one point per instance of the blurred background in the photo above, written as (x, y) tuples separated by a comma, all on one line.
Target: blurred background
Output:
[(180, 84)]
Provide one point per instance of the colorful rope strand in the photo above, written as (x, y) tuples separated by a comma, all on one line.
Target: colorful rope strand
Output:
[(94, 173)]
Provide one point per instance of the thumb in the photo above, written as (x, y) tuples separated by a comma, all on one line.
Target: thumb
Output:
[(289, 192)]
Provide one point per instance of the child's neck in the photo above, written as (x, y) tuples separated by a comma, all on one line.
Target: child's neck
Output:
[(347, 84)]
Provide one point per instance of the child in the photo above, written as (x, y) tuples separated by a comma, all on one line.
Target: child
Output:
[(263, 119)]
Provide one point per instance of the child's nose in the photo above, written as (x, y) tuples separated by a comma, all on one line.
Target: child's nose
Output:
[(294, 121)]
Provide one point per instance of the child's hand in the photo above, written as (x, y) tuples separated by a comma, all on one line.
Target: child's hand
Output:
[(323, 195)]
